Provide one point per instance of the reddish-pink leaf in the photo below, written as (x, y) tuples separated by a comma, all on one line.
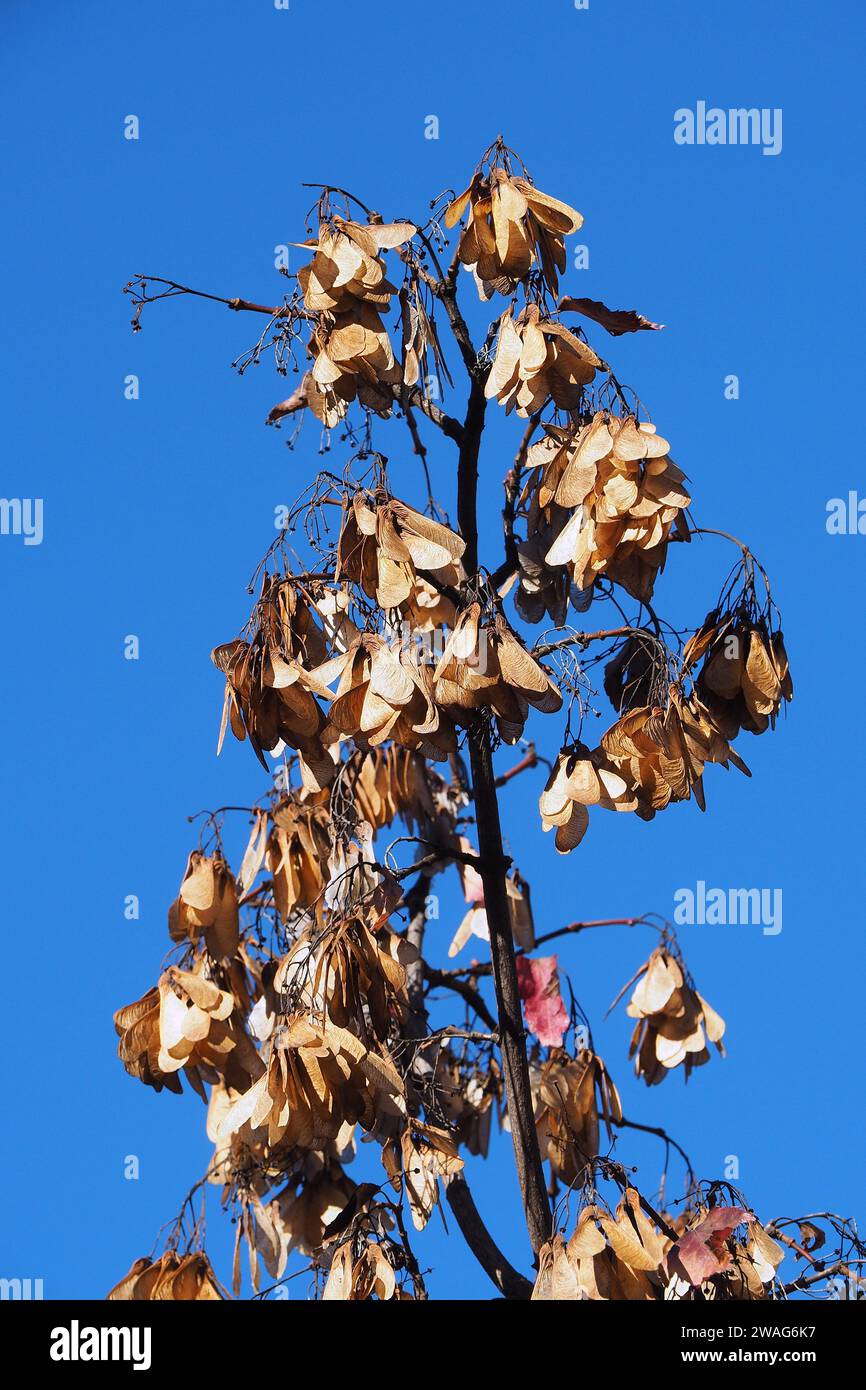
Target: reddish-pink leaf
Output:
[(616, 321), (538, 982), (701, 1252)]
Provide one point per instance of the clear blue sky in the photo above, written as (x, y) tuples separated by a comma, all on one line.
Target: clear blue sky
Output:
[(155, 512)]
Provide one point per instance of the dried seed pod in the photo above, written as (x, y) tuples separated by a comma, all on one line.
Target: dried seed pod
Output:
[(206, 904), (485, 665), (745, 676), (383, 694), (383, 544), (571, 1095), (428, 1153), (627, 496), (183, 1278), (661, 751), (319, 1077), (581, 778), (511, 227), (186, 1023), (538, 360), (674, 1022)]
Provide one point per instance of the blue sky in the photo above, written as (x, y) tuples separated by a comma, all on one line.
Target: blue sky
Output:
[(156, 511)]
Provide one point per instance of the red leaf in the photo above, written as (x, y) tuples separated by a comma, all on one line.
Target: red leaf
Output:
[(538, 982), (701, 1252), (616, 321)]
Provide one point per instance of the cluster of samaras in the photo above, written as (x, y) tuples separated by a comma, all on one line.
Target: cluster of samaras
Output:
[(656, 752), (292, 1001), (308, 676), (637, 1253), (297, 1051), (512, 228), (513, 238), (301, 1050), (602, 500), (179, 1278)]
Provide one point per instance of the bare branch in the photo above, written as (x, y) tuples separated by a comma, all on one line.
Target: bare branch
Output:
[(468, 992), (481, 1243), (661, 1134), (518, 1091), (582, 639), (530, 760), (574, 927)]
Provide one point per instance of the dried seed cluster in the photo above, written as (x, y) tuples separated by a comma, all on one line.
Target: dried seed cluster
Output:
[(674, 1022), (298, 996), (626, 494)]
